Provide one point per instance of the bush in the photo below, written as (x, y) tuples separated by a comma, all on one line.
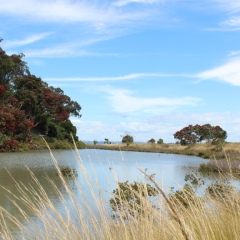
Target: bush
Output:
[(152, 140), (160, 141), (204, 168), (127, 138), (220, 189), (184, 197), (129, 197)]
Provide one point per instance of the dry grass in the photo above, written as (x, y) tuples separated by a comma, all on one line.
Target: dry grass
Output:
[(219, 219), (204, 150)]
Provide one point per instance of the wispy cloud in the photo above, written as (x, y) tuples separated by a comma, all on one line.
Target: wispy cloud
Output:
[(26, 41), (126, 2), (229, 10), (94, 21), (161, 126), (123, 101), (68, 11), (117, 78), (228, 5), (233, 53), (228, 72)]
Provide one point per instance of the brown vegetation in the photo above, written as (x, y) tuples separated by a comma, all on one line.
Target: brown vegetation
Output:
[(204, 150)]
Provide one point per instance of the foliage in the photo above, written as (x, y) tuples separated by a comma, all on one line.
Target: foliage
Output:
[(14, 125), (95, 142), (129, 197), (127, 138), (187, 195), (152, 140), (68, 172), (220, 189), (205, 168), (183, 197), (106, 141), (27, 102), (197, 133), (160, 141), (194, 179)]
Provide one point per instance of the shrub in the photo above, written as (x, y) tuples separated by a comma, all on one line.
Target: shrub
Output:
[(220, 189), (129, 197), (184, 197), (127, 138), (152, 140), (160, 141)]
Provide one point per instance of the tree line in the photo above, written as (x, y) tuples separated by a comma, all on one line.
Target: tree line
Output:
[(188, 135), (28, 104)]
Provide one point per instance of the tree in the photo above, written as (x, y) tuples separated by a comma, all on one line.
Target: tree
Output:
[(106, 141), (160, 141), (46, 108), (152, 140), (127, 138), (193, 134), (95, 142), (14, 124)]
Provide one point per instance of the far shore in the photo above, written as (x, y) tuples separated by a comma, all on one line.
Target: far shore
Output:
[(203, 150)]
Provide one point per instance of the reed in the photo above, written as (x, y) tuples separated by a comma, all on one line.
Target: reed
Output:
[(89, 216)]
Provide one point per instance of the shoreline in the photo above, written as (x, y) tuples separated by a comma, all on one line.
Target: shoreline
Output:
[(203, 150)]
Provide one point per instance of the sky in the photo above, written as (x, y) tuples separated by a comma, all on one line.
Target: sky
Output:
[(143, 67)]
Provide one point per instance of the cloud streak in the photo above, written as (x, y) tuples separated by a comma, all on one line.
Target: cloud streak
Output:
[(68, 11), (118, 78), (28, 40), (123, 101), (228, 72)]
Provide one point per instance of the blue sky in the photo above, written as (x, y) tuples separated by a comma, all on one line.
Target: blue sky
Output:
[(144, 67)]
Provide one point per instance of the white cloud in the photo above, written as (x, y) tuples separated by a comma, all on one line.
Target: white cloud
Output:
[(161, 126), (234, 53), (123, 101), (118, 78), (228, 5), (68, 11), (26, 41), (232, 22), (126, 2), (228, 72)]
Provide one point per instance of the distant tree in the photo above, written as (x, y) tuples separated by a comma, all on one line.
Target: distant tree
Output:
[(106, 141), (152, 140), (95, 142), (193, 134), (160, 141), (127, 138)]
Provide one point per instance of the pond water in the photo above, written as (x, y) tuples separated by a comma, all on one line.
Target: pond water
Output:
[(103, 168)]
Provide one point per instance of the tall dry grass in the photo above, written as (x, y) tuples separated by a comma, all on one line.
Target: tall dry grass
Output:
[(80, 218)]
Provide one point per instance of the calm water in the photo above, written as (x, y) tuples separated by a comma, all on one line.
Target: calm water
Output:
[(103, 165)]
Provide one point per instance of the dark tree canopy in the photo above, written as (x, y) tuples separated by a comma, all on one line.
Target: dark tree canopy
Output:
[(127, 138), (27, 102), (198, 133)]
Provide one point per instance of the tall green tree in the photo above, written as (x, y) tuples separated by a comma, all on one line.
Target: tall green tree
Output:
[(25, 96)]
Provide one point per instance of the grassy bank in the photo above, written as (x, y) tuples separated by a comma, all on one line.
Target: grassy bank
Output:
[(204, 150), (222, 158), (214, 216), (38, 143)]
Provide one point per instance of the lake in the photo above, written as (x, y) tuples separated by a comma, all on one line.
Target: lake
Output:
[(102, 168)]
